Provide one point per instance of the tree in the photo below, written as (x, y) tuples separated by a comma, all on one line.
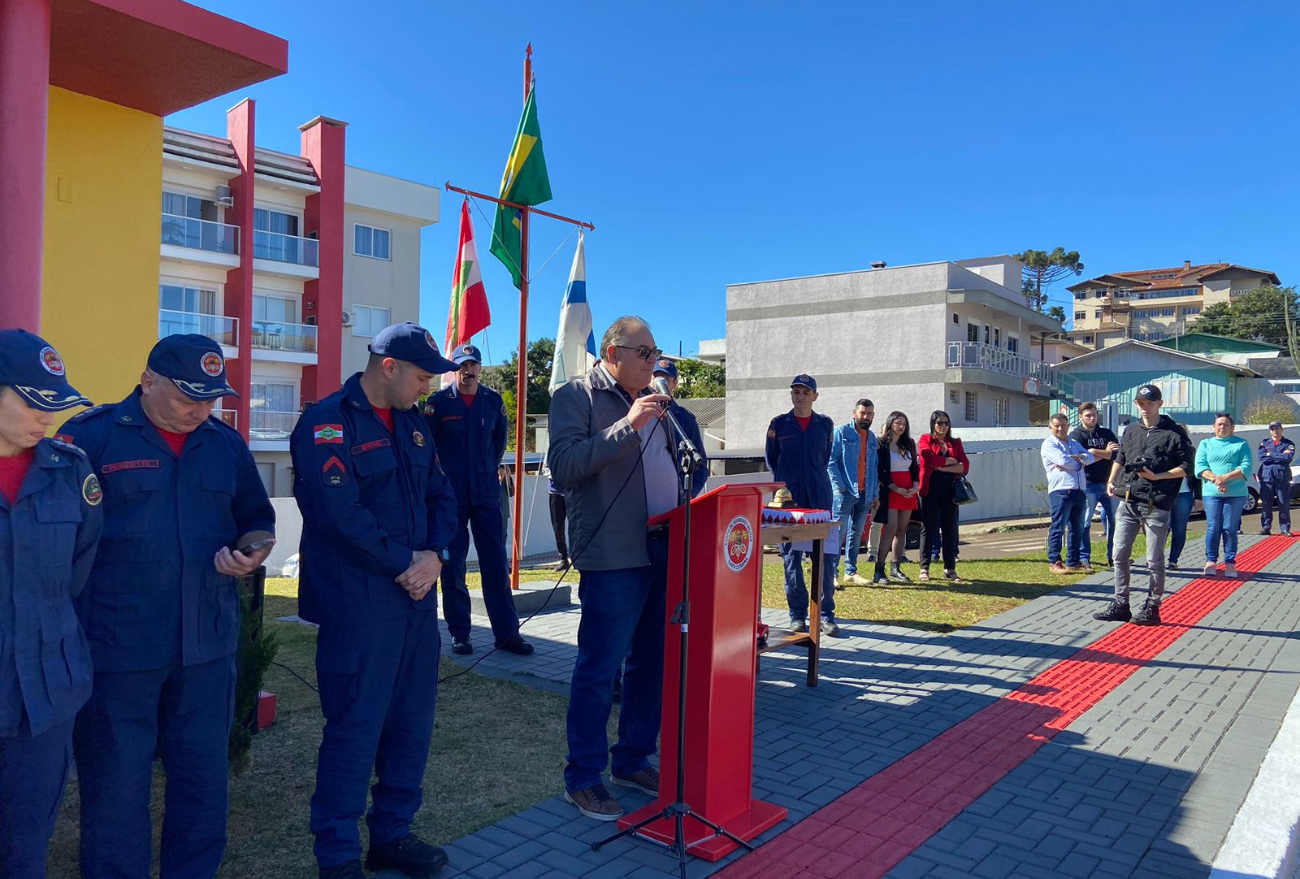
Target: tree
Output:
[(1041, 270), (1056, 312), (504, 380), (1260, 315), (700, 379)]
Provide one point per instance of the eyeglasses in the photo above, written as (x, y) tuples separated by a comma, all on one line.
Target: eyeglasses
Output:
[(942, 423), (642, 351)]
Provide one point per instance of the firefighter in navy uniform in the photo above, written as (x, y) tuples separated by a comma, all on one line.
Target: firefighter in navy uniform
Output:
[(182, 498), (469, 425), (50, 521), (798, 449), (377, 516)]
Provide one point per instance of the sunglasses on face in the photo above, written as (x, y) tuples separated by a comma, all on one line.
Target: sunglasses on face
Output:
[(643, 351), (942, 423)]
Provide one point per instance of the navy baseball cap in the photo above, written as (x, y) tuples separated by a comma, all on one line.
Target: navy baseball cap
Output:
[(666, 367), (194, 364), (466, 354), (1149, 392), (804, 380), (1275, 425), (30, 366), (414, 344)]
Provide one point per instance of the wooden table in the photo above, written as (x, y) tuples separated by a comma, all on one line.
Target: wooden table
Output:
[(776, 533)]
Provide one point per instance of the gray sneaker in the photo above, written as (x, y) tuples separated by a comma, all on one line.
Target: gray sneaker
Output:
[(829, 628), (798, 625), (595, 802)]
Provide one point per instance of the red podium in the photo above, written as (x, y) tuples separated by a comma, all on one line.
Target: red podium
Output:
[(726, 574)]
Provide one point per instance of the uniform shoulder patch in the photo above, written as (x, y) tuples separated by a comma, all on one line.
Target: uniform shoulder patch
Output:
[(91, 491), (771, 433), (90, 413), (64, 442)]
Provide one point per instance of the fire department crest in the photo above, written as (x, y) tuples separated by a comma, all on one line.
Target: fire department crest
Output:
[(738, 544), (213, 364), (91, 491), (51, 360)]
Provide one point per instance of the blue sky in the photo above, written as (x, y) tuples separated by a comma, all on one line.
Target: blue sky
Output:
[(714, 146)]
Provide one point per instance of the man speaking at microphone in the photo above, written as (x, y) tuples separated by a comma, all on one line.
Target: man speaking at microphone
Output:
[(614, 455)]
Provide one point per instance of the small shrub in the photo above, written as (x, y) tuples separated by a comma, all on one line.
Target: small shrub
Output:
[(1266, 410)]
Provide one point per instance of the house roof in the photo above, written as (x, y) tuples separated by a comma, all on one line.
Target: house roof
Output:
[(1274, 367), (1160, 279), (706, 410), (1173, 342), (1071, 365)]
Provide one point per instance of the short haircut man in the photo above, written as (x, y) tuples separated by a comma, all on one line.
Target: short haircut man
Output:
[(1063, 463), (1103, 444)]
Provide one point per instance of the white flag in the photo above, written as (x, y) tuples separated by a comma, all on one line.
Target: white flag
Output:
[(575, 343)]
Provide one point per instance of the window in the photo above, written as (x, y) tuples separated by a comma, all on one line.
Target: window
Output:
[(986, 334), (1174, 392), (1080, 314), (265, 220), (371, 242), (273, 395), (1087, 340), (275, 237), (1189, 310), (1013, 345), (1001, 411), (955, 319), (368, 320), (972, 410), (178, 204), (189, 300), (274, 309), (184, 309), (1096, 314), (972, 332), (952, 397), (997, 337)]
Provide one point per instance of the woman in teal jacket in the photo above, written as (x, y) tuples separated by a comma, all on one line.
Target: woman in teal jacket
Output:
[(1222, 463)]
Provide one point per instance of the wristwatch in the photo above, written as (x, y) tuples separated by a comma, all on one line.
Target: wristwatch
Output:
[(443, 555)]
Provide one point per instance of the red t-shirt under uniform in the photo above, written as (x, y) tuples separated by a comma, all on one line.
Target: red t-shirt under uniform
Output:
[(13, 470)]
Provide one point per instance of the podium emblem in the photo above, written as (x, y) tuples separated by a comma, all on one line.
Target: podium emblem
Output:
[(739, 543)]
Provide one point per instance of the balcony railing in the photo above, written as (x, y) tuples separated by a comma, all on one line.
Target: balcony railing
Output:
[(286, 248), (278, 336), (200, 234), (215, 326), (264, 424), (977, 355)]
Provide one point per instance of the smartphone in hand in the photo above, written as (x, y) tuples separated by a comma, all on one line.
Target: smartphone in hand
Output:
[(256, 545)]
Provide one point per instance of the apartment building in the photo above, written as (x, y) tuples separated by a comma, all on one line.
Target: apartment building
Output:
[(1155, 304), (954, 335), (292, 269)]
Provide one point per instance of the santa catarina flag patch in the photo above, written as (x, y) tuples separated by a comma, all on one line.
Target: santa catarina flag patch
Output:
[(329, 433)]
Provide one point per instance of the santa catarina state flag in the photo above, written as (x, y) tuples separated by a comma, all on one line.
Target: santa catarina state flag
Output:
[(469, 312)]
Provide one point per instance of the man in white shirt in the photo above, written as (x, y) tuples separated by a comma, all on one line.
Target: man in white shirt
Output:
[(1063, 461)]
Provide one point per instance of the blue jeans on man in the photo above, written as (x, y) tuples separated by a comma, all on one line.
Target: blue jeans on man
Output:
[(1180, 516), (623, 621), (1097, 496), (851, 513), (1222, 517), (1069, 509), (796, 592)]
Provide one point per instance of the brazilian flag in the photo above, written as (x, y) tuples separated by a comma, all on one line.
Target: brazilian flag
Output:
[(524, 182)]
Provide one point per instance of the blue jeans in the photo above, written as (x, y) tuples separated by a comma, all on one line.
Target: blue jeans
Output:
[(1182, 512), (1222, 516), (1069, 508), (623, 617), (1097, 496), (796, 593), (851, 513)]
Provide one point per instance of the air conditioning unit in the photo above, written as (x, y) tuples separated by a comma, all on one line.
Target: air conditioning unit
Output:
[(224, 198), (347, 318)]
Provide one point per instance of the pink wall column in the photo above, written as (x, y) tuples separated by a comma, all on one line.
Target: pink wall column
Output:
[(24, 118), (241, 128), (323, 146)]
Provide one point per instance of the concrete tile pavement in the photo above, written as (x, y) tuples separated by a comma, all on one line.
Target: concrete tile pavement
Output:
[(1145, 782)]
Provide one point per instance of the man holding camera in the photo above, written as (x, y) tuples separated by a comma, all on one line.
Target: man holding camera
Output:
[(1155, 455)]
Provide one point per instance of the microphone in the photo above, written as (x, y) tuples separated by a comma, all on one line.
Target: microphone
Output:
[(687, 448)]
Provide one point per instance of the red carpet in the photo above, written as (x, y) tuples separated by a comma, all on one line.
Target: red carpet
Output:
[(866, 832)]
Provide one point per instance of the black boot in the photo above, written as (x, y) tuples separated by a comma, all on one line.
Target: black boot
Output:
[(409, 855), (880, 574), (345, 870), (1149, 615), (1116, 612)]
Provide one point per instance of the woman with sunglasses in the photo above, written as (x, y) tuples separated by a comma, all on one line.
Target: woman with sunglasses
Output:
[(899, 469), (943, 461)]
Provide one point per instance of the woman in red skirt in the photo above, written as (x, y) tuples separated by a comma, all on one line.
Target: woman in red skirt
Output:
[(900, 483)]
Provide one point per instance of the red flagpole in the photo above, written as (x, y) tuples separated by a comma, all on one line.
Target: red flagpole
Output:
[(521, 383)]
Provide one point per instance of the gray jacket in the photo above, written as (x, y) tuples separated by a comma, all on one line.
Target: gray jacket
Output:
[(593, 452)]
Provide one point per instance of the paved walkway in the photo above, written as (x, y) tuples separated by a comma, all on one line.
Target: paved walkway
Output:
[(1038, 743)]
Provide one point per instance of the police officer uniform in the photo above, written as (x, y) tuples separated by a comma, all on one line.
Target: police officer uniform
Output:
[(163, 622), (49, 528), (470, 435), (798, 457), (370, 498), (690, 426)]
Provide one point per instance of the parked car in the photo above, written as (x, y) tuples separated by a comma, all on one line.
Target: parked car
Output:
[(290, 568)]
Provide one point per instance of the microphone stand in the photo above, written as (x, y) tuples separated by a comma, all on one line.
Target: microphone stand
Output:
[(689, 460)]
